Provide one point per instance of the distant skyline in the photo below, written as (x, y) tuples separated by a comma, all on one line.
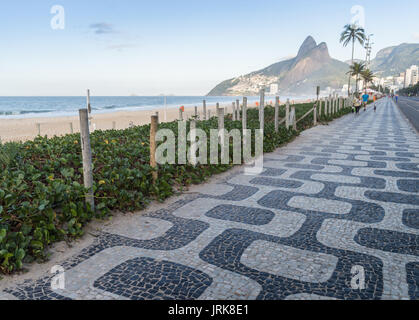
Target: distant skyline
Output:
[(119, 48)]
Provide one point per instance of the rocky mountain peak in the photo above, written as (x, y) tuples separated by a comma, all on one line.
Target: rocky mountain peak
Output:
[(308, 45)]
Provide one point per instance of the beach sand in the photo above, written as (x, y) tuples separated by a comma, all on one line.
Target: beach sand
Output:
[(27, 128)]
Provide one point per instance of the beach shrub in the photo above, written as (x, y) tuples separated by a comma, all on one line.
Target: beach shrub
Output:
[(41, 181)]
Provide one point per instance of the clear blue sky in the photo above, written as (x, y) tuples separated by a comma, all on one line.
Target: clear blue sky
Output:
[(183, 47)]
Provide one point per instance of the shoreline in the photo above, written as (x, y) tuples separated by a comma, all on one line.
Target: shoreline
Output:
[(24, 129)]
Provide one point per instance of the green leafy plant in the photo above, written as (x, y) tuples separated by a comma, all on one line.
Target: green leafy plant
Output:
[(41, 181)]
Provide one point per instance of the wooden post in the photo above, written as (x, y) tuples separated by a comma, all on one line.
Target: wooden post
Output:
[(244, 124), (294, 118), (158, 118), (196, 112), (330, 105), (87, 157), (276, 114), (217, 108), (193, 147), (244, 114), (204, 109), (262, 109), (337, 103), (71, 128), (38, 127), (153, 132), (326, 107), (221, 128), (238, 110), (233, 115), (220, 118), (180, 115), (287, 114), (315, 115), (89, 108)]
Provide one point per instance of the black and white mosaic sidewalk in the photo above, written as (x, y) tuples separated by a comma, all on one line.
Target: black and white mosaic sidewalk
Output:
[(339, 197)]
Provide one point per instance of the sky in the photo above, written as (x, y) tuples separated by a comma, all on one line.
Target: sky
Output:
[(181, 47)]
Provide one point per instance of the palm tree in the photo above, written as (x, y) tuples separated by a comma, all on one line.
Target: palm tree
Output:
[(352, 33), (368, 76), (355, 70)]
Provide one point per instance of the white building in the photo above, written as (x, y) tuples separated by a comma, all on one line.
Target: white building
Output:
[(412, 76), (274, 89)]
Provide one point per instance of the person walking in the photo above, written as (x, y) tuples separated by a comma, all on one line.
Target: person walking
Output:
[(365, 98), (375, 105), (357, 104)]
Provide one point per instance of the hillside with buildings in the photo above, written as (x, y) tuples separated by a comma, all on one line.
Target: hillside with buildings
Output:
[(311, 67), (392, 61), (395, 67)]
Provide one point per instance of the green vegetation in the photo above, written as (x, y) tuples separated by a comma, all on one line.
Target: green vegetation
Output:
[(356, 70), (352, 33), (410, 91), (42, 194), (368, 76)]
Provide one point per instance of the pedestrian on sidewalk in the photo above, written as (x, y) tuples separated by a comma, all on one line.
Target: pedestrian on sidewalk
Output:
[(365, 98), (357, 104), (375, 100)]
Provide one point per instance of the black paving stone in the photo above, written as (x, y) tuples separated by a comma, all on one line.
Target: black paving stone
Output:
[(251, 216), (146, 278)]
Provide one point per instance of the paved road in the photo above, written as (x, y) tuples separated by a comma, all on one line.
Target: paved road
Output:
[(339, 202), (410, 108)]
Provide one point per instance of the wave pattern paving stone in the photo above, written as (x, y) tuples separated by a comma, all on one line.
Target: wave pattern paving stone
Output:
[(411, 218), (267, 237), (145, 279)]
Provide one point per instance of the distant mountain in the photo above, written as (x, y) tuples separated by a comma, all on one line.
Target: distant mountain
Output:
[(392, 61), (311, 67)]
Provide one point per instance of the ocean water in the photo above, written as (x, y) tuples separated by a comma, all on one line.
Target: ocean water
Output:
[(30, 107)]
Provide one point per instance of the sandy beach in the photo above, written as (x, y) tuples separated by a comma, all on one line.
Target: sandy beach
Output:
[(27, 128)]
